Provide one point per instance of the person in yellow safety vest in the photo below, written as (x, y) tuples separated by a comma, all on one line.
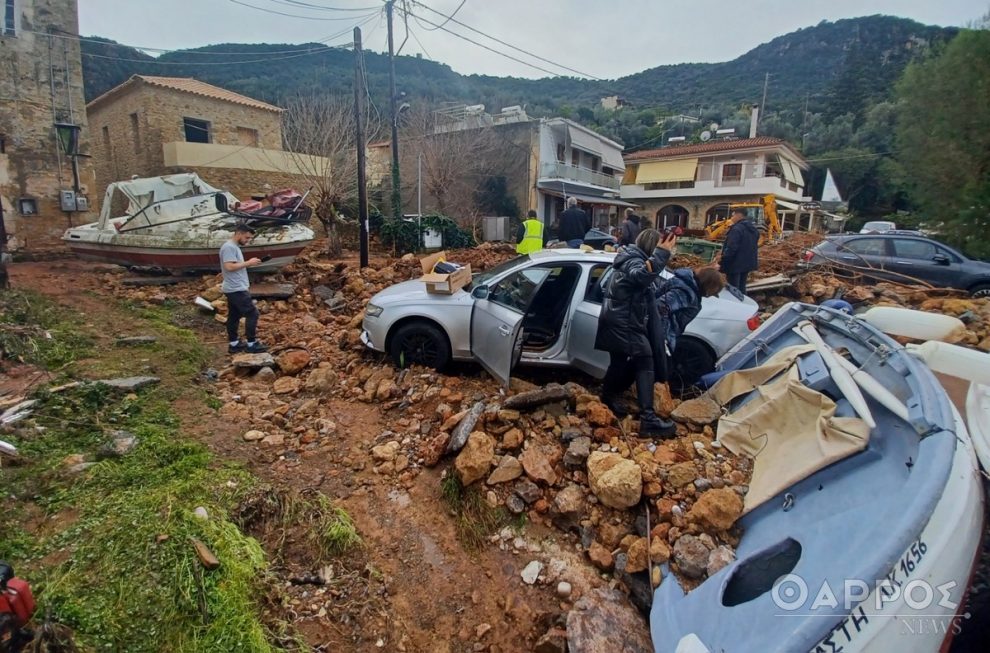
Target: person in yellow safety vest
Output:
[(530, 235)]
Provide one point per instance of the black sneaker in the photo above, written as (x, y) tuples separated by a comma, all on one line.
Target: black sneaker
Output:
[(255, 348), (651, 426), (239, 348)]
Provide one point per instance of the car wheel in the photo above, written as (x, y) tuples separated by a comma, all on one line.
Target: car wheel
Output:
[(421, 343), (980, 291), (691, 359)]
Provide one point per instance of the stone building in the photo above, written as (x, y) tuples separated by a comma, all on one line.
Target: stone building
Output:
[(42, 85), (150, 126)]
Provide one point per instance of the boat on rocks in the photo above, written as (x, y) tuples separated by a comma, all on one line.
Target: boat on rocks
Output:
[(861, 525), (178, 222)]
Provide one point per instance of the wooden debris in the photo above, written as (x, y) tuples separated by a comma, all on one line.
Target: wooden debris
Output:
[(204, 554)]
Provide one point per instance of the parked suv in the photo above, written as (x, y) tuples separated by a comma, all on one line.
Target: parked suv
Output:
[(901, 257)]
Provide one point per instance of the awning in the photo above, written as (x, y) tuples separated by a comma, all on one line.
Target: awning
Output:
[(589, 199), (612, 158), (663, 171), (790, 206), (792, 172), (584, 141)]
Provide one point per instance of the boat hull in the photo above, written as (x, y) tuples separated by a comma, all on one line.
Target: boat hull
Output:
[(185, 259)]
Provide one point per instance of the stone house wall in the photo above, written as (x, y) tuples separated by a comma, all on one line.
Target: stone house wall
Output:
[(41, 84)]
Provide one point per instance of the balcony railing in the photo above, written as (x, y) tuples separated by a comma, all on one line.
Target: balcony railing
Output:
[(555, 170)]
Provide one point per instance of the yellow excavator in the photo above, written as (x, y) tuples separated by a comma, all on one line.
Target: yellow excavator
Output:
[(764, 215)]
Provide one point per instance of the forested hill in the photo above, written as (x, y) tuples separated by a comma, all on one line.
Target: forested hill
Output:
[(855, 60)]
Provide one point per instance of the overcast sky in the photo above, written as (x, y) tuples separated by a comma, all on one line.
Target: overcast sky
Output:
[(601, 38)]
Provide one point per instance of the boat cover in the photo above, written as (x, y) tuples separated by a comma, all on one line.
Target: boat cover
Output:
[(789, 429)]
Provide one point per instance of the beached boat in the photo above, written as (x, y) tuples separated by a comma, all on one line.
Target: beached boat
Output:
[(863, 519), (178, 222)]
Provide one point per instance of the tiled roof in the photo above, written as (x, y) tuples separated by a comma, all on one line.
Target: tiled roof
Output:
[(190, 85), (705, 148)]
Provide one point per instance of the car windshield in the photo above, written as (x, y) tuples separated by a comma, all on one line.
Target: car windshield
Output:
[(483, 277)]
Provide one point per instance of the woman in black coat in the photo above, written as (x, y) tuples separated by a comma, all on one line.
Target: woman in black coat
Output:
[(624, 327)]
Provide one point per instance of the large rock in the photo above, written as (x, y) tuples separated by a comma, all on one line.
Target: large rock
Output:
[(285, 385), (600, 556), (252, 361), (384, 453), (549, 394), (681, 474), (616, 481), (465, 428), (321, 379), (638, 558), (294, 361), (716, 509), (599, 415), (578, 451), (131, 383), (509, 469), (691, 556), (569, 501), (603, 621), (475, 459), (701, 411), (538, 466)]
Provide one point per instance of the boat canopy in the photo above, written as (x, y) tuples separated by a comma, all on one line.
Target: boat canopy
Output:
[(156, 200)]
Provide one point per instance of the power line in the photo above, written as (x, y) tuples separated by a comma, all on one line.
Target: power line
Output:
[(449, 18), (309, 5), (500, 41), (282, 13), (482, 45)]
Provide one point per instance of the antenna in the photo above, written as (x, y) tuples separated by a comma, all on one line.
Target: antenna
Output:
[(706, 136)]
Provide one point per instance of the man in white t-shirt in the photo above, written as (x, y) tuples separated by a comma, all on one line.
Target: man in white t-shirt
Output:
[(236, 286)]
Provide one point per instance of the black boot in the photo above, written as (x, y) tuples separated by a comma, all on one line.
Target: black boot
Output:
[(650, 425), (614, 404)]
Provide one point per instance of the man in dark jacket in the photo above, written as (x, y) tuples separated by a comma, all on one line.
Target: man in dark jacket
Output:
[(739, 254), (574, 224), (624, 328), (630, 228)]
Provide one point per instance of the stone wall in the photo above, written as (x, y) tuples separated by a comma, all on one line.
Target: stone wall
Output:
[(141, 117), (31, 166)]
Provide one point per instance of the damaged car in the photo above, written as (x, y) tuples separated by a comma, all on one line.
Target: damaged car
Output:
[(540, 309)]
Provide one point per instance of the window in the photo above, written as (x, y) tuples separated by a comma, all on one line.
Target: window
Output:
[(866, 246), (595, 290), (668, 185), (27, 206), (732, 172), (197, 131), (136, 133), (516, 291), (106, 139), (914, 249), (10, 18), (560, 153), (3, 144), (247, 136)]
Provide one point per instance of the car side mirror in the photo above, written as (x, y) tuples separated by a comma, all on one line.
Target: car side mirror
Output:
[(480, 292), (941, 259)]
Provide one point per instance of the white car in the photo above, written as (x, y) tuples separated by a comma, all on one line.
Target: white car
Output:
[(877, 227), (538, 309)]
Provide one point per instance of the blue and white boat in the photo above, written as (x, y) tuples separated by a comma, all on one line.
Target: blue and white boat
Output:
[(868, 549)]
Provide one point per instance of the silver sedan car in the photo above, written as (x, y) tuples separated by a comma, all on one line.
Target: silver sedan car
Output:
[(539, 309)]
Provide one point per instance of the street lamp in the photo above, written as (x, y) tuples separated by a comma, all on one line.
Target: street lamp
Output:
[(68, 140)]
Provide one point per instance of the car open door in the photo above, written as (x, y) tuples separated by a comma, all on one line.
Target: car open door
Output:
[(496, 320)]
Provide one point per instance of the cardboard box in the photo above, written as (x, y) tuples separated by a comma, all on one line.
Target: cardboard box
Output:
[(443, 284)]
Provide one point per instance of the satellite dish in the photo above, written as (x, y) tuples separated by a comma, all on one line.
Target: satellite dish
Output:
[(714, 126), (705, 136)]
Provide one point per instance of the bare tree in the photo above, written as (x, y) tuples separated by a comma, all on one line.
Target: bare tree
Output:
[(456, 160), (319, 136)]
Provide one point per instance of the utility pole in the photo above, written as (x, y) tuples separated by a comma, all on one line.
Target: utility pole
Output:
[(360, 89), (4, 281), (396, 190), (763, 103)]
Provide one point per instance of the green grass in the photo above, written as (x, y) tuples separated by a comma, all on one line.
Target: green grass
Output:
[(474, 519), (34, 330), (108, 549)]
